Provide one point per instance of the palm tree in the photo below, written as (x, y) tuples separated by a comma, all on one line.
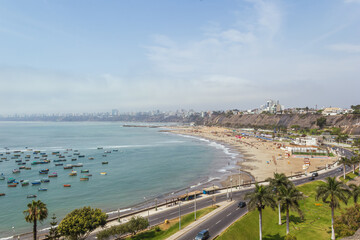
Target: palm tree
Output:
[(345, 162), (354, 160), (36, 211), (333, 192), (279, 180), (259, 198), (355, 191), (290, 197)]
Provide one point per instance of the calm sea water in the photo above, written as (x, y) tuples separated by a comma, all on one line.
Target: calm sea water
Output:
[(148, 163)]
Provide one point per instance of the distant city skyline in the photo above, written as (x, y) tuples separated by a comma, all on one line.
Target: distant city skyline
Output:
[(94, 56)]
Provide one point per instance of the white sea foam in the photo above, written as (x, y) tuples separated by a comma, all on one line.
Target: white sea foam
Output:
[(121, 210)]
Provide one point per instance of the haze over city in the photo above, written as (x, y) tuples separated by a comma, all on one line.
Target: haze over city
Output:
[(87, 56)]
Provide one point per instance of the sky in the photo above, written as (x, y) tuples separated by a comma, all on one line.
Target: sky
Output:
[(65, 56)]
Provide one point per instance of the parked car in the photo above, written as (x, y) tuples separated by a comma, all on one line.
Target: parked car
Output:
[(311, 178), (242, 204), (315, 174), (202, 235)]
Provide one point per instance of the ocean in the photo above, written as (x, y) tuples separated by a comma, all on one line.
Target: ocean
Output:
[(146, 163)]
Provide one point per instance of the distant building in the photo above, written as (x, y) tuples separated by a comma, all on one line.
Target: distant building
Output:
[(331, 111), (306, 141), (272, 107), (115, 112)]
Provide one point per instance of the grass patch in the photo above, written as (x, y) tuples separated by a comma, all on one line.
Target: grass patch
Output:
[(166, 230), (315, 225), (349, 176)]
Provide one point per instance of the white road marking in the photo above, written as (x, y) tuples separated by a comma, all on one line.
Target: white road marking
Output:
[(218, 222), (228, 214)]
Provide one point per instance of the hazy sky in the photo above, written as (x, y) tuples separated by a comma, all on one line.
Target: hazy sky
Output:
[(89, 56)]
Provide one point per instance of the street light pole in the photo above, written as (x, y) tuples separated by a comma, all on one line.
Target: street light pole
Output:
[(239, 177), (179, 215), (195, 205), (231, 188)]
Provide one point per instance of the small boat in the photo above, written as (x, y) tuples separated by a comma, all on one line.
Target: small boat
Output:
[(42, 189), (115, 150), (25, 183), (22, 167), (107, 152), (53, 175), (43, 172), (78, 165), (76, 153), (81, 156), (73, 173), (2, 194), (88, 175), (67, 185), (31, 196), (2, 177), (91, 158), (11, 180), (103, 173), (73, 159), (105, 163), (38, 182), (59, 164), (100, 148), (45, 180), (85, 171), (28, 168), (68, 167), (84, 179), (16, 171), (104, 155), (12, 185)]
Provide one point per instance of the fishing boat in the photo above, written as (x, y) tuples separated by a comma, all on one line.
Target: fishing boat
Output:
[(104, 155), (59, 164), (43, 172), (25, 183), (84, 179), (31, 196), (85, 171), (12, 185), (42, 189), (68, 167), (103, 173), (37, 182), (2, 194), (73, 173), (22, 167), (91, 158), (11, 180), (107, 152), (78, 165), (100, 148), (2, 177), (73, 159), (115, 150), (45, 180), (104, 162), (67, 185), (16, 171), (81, 156), (54, 174), (27, 168), (88, 175)]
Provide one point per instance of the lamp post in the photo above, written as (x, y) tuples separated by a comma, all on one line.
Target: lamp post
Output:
[(119, 215), (148, 210), (231, 188), (195, 206), (179, 215), (239, 177)]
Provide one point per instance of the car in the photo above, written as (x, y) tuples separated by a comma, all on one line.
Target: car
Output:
[(315, 174), (311, 178), (241, 204), (202, 235)]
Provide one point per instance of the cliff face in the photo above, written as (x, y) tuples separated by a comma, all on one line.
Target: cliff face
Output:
[(350, 123)]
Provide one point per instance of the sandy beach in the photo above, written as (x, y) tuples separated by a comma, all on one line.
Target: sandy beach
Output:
[(260, 158)]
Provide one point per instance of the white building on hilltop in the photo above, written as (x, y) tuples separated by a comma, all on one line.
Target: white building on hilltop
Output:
[(272, 107)]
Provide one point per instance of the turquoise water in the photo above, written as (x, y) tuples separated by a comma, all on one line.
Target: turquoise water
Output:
[(148, 163)]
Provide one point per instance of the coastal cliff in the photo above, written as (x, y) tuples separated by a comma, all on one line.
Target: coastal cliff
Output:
[(349, 123)]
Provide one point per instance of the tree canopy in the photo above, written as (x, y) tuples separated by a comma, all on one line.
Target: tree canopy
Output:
[(80, 222), (321, 122)]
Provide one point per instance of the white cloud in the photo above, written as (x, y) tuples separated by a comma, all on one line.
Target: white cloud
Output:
[(343, 47)]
